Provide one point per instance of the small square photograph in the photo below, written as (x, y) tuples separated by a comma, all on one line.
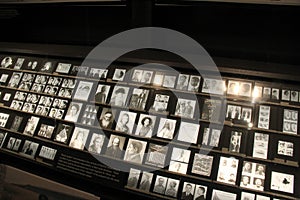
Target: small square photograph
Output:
[(96, 143), (145, 125), (47, 152), (227, 171), (59, 114), (102, 93), (146, 181), (55, 81), (119, 75), (147, 77), (181, 155), (83, 90), (253, 176), (188, 191), (200, 192), (219, 194), (133, 178), (53, 112), (32, 65), (69, 83), (65, 92), (158, 79), (275, 94), (156, 155), (21, 96), (135, 151), (115, 146), (172, 187), (33, 98), (169, 81), (26, 107), (73, 111), (63, 133), (6, 96), (46, 131), (7, 62), (160, 103), (63, 68), (188, 132), (247, 196), (185, 108), (285, 148), (267, 93), (19, 63), (213, 86), (17, 145), (15, 79), (16, 123), (211, 110), (282, 182), (2, 138), (294, 96), (79, 138), (260, 145), (107, 118), (245, 89), (183, 82), (11, 143), (4, 79), (235, 141), (202, 164), (233, 112), (160, 184), (285, 95), (137, 75), (194, 83), (119, 96), (233, 87), (41, 79), (37, 88), (29, 148), (47, 67), (257, 92), (139, 98), (17, 105), (89, 115), (31, 125), (246, 114), (126, 122), (166, 128)]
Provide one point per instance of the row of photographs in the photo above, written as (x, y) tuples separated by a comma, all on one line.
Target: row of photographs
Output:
[(252, 175)]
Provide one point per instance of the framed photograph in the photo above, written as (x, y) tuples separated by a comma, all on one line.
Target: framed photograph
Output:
[(213, 86), (275, 94), (156, 155), (29, 148), (222, 195), (19, 63), (31, 125), (119, 96), (185, 108), (33, 98), (102, 93), (211, 110), (83, 90), (115, 146), (96, 143), (146, 181), (98, 73), (182, 82), (15, 79), (188, 132), (63, 133), (3, 79), (246, 114), (294, 96), (285, 148), (169, 81), (137, 75), (79, 70), (188, 191), (181, 155), (54, 81), (46, 131), (47, 67), (227, 170), (215, 138), (73, 111), (253, 176), (17, 145), (147, 77), (69, 83), (166, 128), (145, 125), (160, 103), (290, 121), (247, 196), (260, 145), (107, 118), (172, 187), (282, 182), (267, 93), (264, 117), (11, 143), (47, 152), (135, 151), (79, 138), (178, 167), (126, 122), (202, 164), (233, 87), (200, 192), (6, 62), (233, 112), (133, 178), (235, 141), (89, 115), (119, 75), (245, 89), (2, 138), (63, 68), (194, 83), (15, 126), (139, 98), (257, 92), (32, 65), (160, 184), (158, 78), (285, 95)]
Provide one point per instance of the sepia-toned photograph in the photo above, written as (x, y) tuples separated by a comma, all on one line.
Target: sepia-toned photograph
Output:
[(29, 148), (98, 73), (156, 155), (6, 62), (160, 184), (47, 67), (137, 75), (126, 122), (46, 131), (146, 181), (119, 96), (264, 117), (213, 86), (245, 89), (260, 145), (285, 148), (158, 78), (222, 195), (115, 146), (181, 155), (79, 138), (257, 92), (11, 143), (63, 68), (31, 125), (147, 77), (3, 79), (89, 115), (290, 121), (188, 191), (47, 152), (233, 87), (15, 79), (83, 90), (135, 151), (107, 118), (96, 143), (246, 114), (294, 96), (227, 171), (133, 178), (211, 110), (2, 138), (194, 83), (202, 164), (267, 93), (166, 128), (253, 176), (102, 93), (235, 141), (139, 98), (63, 133), (182, 82), (79, 70), (119, 75), (275, 94), (233, 112), (169, 81), (172, 187), (145, 125), (16, 123), (188, 132), (185, 108), (285, 95), (73, 111), (247, 196), (282, 182), (160, 103)]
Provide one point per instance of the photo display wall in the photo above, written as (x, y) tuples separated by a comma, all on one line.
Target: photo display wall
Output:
[(181, 135)]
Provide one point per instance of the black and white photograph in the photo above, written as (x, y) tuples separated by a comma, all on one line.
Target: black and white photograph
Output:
[(21, 96), (73, 111), (126, 122), (32, 65), (235, 141), (202, 164), (115, 146), (179, 163), (282, 182), (11, 143), (194, 83), (290, 121), (17, 105), (147, 77), (285, 148), (31, 125), (267, 93), (160, 103), (6, 62), (246, 114), (172, 187), (98, 73), (133, 178), (261, 197), (69, 83), (253, 176), (160, 184), (7, 96), (275, 94), (182, 82), (247, 196), (158, 78), (222, 195), (188, 132), (145, 125), (96, 143), (102, 93), (233, 112), (285, 95), (107, 118), (200, 192), (3, 79), (135, 151), (245, 89), (166, 128), (119, 75), (15, 79), (89, 115), (63, 68), (41, 79), (211, 110), (65, 92), (29, 148), (63, 133), (260, 145), (54, 81), (257, 92), (56, 113), (17, 145), (15, 126), (47, 67), (227, 171), (119, 96), (146, 181), (185, 108), (294, 96), (79, 138), (47, 152), (233, 87), (79, 70), (139, 98), (33, 98), (83, 90), (213, 86), (264, 117), (188, 191), (156, 155), (46, 131), (2, 138), (38, 88), (137, 75), (169, 81), (214, 137)]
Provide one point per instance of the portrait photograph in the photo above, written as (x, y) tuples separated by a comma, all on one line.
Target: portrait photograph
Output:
[(7, 62), (257, 92), (260, 145), (200, 192), (185, 108), (211, 110), (180, 155), (19, 63), (47, 152), (290, 121), (146, 181), (119, 75), (253, 176), (245, 89), (172, 187), (3, 79), (126, 121), (79, 71), (11, 142), (160, 103), (235, 141), (294, 96), (227, 171), (46, 131), (264, 117), (63, 133), (137, 75), (178, 167), (285, 95), (169, 81), (233, 112), (89, 115), (275, 94), (17, 105), (135, 151), (73, 111), (79, 138), (47, 67), (138, 99), (166, 128), (41, 79), (69, 83), (188, 191), (160, 184), (246, 114), (133, 178), (145, 125), (83, 90), (222, 195), (202, 164), (188, 132), (15, 126), (182, 82), (102, 93), (98, 73), (282, 182), (247, 196), (156, 155), (285, 148), (213, 86), (29, 148), (115, 146), (158, 78), (267, 93), (31, 125), (63, 68), (17, 145), (233, 87), (194, 83), (119, 96), (107, 118), (15, 79), (147, 77), (96, 143)]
